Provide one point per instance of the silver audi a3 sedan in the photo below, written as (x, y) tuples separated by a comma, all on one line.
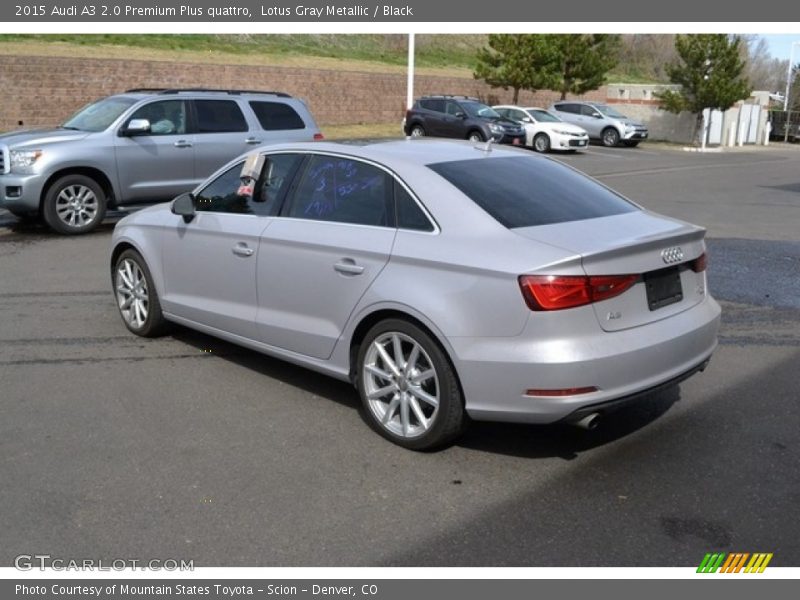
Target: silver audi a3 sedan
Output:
[(445, 280)]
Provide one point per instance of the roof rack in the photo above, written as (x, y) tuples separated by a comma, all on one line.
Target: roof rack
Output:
[(211, 90), (449, 96)]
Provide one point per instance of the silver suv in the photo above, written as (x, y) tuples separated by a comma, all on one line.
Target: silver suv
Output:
[(602, 122), (143, 146)]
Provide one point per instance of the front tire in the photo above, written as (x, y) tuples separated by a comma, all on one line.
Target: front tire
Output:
[(74, 204), (541, 143), (475, 136), (409, 391), (137, 299), (610, 137)]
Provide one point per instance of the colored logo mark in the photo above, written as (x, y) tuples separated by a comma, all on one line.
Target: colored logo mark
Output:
[(735, 562)]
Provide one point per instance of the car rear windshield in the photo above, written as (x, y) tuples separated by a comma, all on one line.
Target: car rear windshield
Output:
[(525, 191)]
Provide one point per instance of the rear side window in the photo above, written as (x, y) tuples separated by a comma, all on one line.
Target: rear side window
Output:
[(569, 108), (409, 214), (587, 110), (276, 116), (432, 104), (342, 190), (525, 191), (219, 116)]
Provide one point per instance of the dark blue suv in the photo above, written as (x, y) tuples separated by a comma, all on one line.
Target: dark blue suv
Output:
[(460, 117)]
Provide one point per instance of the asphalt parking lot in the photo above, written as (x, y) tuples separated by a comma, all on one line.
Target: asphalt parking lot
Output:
[(112, 446)]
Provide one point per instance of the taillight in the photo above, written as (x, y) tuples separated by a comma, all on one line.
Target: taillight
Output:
[(318, 137), (557, 292), (699, 264)]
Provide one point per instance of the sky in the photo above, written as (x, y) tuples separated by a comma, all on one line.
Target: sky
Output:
[(780, 45)]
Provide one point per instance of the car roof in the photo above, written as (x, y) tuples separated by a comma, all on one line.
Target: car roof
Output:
[(409, 151)]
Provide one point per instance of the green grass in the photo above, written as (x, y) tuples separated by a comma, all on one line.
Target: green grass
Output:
[(439, 51), (431, 50)]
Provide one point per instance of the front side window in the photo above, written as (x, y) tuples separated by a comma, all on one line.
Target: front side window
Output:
[(589, 111), (167, 117), (221, 195), (219, 116), (342, 190)]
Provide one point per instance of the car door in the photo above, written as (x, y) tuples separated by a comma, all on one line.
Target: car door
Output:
[(453, 120), (221, 134), (332, 238), (210, 263), (157, 164), (569, 112), (594, 125), (433, 116)]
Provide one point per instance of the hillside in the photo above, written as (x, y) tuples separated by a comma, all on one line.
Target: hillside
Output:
[(451, 55)]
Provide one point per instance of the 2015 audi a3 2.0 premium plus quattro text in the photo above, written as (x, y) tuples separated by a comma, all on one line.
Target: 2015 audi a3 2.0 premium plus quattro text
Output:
[(446, 280)]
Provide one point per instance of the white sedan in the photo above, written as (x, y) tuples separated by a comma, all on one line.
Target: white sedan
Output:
[(544, 131)]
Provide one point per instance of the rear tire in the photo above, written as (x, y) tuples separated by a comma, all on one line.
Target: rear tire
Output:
[(541, 143), (409, 391), (610, 137), (137, 299), (417, 131), (74, 204)]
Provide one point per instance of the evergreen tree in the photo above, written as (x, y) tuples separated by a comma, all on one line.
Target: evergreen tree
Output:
[(710, 71), (582, 61), (516, 61)]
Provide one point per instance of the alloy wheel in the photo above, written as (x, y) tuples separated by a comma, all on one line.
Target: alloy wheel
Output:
[(401, 385), (76, 205), (132, 294)]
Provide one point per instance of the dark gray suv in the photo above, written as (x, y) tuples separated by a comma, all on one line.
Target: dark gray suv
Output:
[(463, 118), (142, 146)]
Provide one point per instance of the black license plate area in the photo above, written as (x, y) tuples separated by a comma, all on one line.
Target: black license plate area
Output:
[(663, 287)]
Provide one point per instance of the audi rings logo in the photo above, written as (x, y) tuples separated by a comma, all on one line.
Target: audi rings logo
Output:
[(672, 255)]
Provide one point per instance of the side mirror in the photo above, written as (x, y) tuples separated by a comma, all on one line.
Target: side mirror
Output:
[(597, 115), (527, 120), (461, 115), (137, 127), (183, 205)]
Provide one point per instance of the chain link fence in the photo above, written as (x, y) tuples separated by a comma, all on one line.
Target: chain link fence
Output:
[(785, 125)]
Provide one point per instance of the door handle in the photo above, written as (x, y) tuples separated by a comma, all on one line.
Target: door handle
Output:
[(347, 266), (241, 249), (182, 144), (252, 141)]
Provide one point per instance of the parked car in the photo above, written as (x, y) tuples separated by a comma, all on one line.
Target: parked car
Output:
[(142, 146), (544, 131), (442, 282), (460, 117), (602, 122)]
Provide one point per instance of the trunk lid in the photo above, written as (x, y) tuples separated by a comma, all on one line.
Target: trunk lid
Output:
[(656, 248)]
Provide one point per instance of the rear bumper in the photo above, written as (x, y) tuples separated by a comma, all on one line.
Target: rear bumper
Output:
[(612, 405), (623, 365)]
